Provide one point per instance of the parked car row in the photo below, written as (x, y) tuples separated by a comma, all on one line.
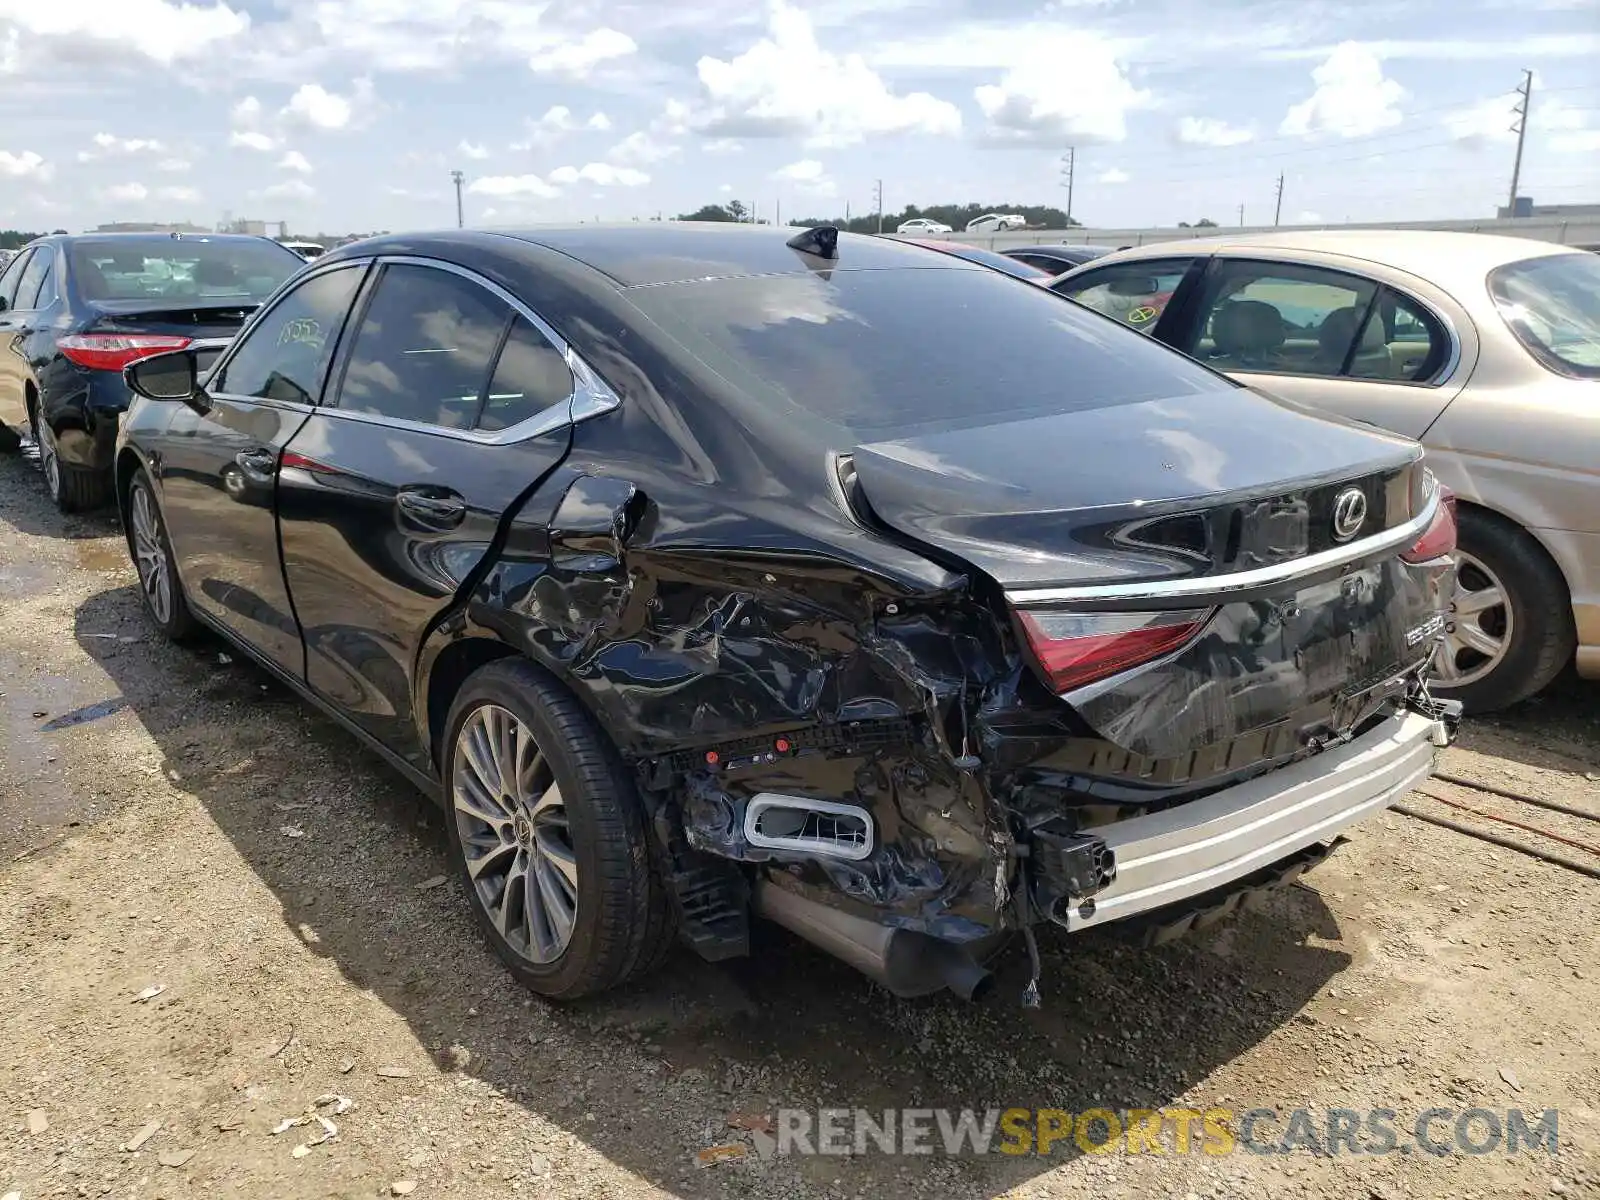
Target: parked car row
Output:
[(705, 574)]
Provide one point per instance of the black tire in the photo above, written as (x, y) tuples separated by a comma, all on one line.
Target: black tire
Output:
[(625, 923), (10, 439), (178, 621), (73, 489), (1542, 635)]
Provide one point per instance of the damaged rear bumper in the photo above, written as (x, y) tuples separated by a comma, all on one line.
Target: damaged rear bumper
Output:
[(1161, 859)]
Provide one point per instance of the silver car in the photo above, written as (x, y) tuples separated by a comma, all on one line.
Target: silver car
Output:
[(1485, 349)]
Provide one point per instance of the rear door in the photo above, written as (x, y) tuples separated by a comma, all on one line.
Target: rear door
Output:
[(13, 366), (218, 472), (452, 402)]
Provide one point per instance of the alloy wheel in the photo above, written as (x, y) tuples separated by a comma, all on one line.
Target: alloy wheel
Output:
[(514, 833), (1478, 627), (150, 557), (49, 461)]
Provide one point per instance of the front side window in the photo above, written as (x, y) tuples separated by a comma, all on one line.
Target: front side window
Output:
[(284, 355), (423, 350), (1135, 293), (1552, 304)]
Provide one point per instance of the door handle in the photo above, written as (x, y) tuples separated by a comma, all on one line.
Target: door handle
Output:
[(435, 508)]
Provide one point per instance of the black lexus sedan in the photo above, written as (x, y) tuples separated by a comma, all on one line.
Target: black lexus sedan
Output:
[(75, 310), (1053, 260), (712, 573)]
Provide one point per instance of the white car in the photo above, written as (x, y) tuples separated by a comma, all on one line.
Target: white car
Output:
[(997, 223), (923, 225)]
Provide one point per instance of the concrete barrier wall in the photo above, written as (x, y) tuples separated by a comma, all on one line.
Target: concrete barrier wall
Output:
[(1584, 231)]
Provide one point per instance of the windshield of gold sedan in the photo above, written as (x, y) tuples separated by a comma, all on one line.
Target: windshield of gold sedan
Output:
[(1552, 304)]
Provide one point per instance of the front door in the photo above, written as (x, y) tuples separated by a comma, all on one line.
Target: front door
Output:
[(219, 471), (450, 404)]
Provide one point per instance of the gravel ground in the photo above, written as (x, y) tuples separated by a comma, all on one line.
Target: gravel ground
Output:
[(170, 818)]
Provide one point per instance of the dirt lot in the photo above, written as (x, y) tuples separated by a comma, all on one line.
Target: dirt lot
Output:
[(169, 818)]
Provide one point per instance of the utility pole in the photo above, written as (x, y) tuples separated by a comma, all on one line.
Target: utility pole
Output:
[(458, 179), (1068, 161), (1520, 128), (1278, 210), (1241, 216), (879, 201)]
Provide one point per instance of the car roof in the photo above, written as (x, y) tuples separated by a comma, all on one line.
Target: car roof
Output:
[(1427, 253), (660, 252)]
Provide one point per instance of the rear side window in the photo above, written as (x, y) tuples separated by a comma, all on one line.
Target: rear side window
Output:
[(1552, 304), (1287, 319), (46, 294), (28, 286), (530, 376), (1135, 294), (423, 349), (875, 354)]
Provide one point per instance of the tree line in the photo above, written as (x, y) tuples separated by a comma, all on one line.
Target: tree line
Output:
[(13, 239), (1040, 216)]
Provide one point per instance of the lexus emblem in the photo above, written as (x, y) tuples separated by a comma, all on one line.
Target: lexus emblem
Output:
[(1349, 514)]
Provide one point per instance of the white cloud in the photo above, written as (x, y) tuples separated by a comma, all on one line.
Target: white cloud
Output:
[(1307, 217), (557, 122), (249, 139), (513, 185), (289, 189), (174, 165), (246, 114), (574, 56), (126, 193), (786, 85), (27, 165), (182, 195), (641, 147), (1208, 131), (1043, 100), (472, 149), (109, 146), (1112, 175), (158, 30), (600, 174), (809, 176), (725, 188), (294, 161), (723, 146), (1352, 97), (315, 107)]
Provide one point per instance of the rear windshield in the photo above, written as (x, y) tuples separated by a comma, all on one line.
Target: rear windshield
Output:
[(882, 354), (1552, 304), (186, 270), (999, 262)]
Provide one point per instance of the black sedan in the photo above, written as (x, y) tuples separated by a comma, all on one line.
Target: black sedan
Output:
[(986, 258), (1053, 260), (75, 310), (704, 573)]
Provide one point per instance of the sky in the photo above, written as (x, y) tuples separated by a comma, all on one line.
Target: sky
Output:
[(349, 115)]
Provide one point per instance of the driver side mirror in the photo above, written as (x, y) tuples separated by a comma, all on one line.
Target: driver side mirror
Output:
[(171, 376)]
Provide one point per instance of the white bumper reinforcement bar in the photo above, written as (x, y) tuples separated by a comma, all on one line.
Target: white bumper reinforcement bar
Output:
[(1183, 851)]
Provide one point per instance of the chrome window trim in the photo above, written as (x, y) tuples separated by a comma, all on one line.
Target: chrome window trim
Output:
[(1238, 581), (590, 396)]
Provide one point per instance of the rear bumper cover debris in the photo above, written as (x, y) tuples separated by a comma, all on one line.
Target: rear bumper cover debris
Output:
[(1167, 857)]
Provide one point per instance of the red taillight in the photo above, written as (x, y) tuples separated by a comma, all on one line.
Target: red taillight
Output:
[(1079, 648), (113, 351), (1439, 539)]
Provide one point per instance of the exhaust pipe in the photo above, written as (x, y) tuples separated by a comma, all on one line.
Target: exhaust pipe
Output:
[(904, 961)]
